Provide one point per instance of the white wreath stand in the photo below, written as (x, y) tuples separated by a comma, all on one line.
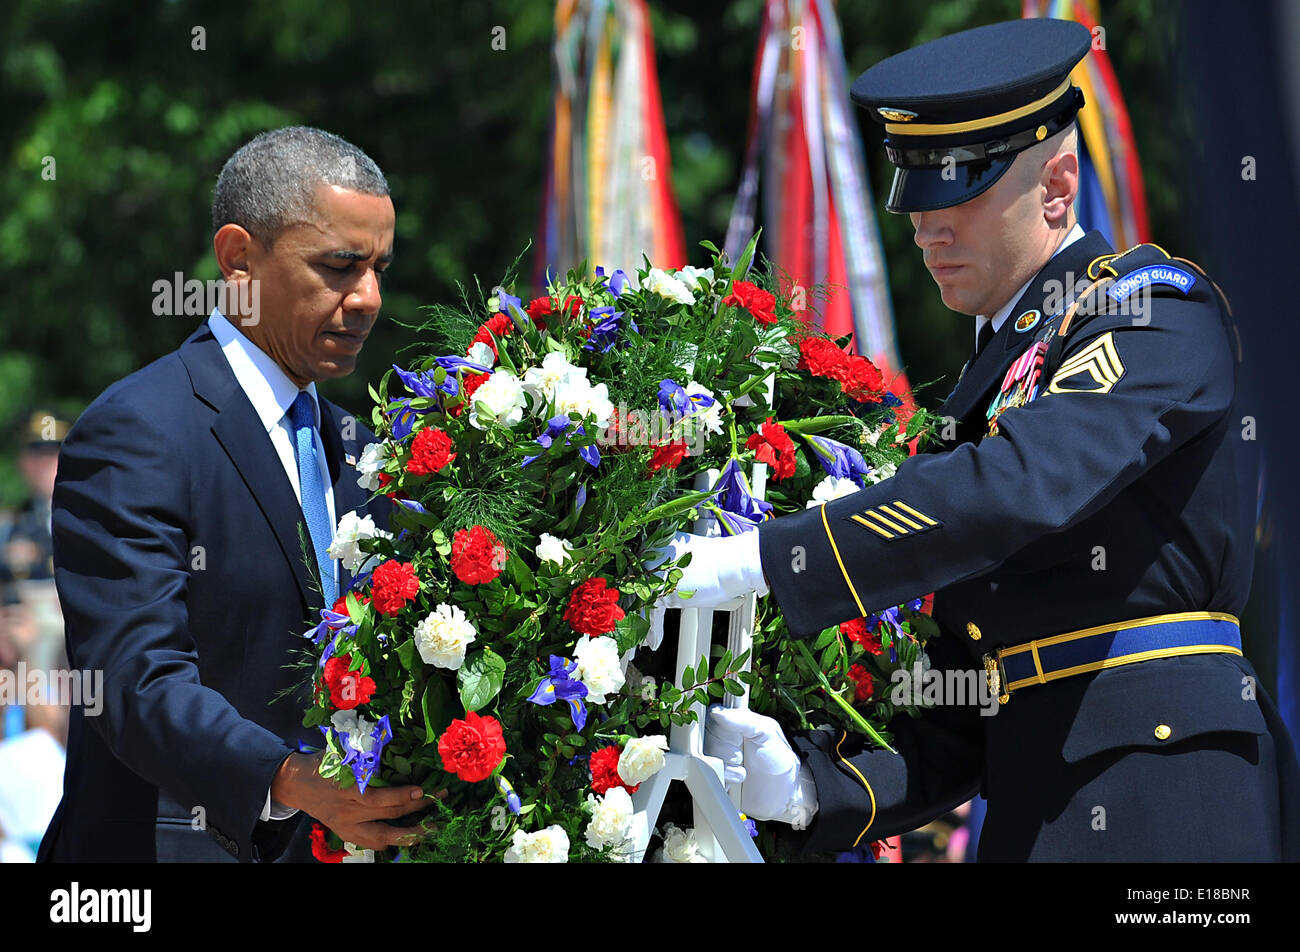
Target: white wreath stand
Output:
[(719, 832)]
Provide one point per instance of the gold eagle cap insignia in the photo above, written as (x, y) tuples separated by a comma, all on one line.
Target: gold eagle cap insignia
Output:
[(897, 115)]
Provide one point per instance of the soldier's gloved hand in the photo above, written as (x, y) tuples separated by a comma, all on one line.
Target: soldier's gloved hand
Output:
[(774, 784), (721, 569)]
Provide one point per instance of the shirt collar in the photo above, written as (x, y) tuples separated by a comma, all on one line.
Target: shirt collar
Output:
[(267, 386), (1004, 311)]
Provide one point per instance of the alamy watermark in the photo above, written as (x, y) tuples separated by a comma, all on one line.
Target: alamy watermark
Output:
[(178, 297), (931, 687), (34, 686)]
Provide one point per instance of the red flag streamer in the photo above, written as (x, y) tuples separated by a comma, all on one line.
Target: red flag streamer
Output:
[(608, 195), (803, 145)]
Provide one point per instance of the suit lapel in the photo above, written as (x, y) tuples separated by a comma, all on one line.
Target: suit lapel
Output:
[(1059, 276), (238, 428)]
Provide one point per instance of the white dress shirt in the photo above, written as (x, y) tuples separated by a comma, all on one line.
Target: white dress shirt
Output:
[(271, 392)]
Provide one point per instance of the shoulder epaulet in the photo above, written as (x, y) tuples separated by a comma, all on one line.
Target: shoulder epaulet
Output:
[(1116, 276)]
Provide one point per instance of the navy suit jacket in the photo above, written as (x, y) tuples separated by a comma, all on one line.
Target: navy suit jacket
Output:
[(182, 579)]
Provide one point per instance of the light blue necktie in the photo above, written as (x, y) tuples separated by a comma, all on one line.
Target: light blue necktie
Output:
[(303, 417)]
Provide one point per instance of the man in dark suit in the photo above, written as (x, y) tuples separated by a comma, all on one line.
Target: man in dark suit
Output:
[(1087, 530), (194, 509)]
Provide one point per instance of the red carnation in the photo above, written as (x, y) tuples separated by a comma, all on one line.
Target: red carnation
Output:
[(856, 630), (348, 689), (429, 452), (392, 585), (822, 357), (761, 304), (477, 555), (593, 608), (862, 380), (320, 847), (539, 308), (774, 447), (604, 771), (863, 688), (573, 305), (668, 455), (472, 748), (499, 325), (341, 606)]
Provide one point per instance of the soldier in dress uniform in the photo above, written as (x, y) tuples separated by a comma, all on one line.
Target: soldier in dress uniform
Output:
[(26, 549), (1088, 533)]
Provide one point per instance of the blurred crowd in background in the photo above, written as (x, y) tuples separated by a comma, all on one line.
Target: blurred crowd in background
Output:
[(33, 717)]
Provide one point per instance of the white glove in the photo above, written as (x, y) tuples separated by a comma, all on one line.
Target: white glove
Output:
[(774, 784), (721, 569)]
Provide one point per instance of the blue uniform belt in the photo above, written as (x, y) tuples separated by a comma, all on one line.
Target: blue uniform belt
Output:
[(1110, 646)]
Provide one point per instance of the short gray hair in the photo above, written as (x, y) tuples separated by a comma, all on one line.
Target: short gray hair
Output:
[(270, 182)]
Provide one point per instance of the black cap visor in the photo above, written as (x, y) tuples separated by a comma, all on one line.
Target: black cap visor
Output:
[(924, 190)]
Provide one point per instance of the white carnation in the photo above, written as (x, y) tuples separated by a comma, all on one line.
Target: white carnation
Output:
[(502, 396), (371, 462), (443, 636), (553, 549), (577, 397), (642, 758), (611, 820), (709, 417), (543, 382), (550, 845), (881, 473), (665, 285), (598, 667), (697, 279), (832, 487), (358, 727), (680, 846), (351, 532)]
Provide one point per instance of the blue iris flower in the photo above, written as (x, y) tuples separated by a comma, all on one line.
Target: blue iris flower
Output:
[(556, 427), (507, 791), (609, 323), (893, 618), (460, 363), (581, 499), (330, 621), (839, 459), (732, 523), (734, 496), (617, 281), (363, 765), (402, 419), (673, 398), (559, 686), (412, 505)]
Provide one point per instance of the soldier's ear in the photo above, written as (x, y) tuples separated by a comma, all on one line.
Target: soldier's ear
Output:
[(1060, 182)]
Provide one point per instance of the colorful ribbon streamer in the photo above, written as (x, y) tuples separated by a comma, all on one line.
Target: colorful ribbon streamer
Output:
[(803, 146), (608, 195)]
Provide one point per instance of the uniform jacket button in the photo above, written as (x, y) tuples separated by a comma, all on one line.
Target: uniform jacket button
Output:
[(973, 630), (1163, 731)]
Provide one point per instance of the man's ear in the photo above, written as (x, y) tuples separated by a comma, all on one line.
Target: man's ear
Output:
[(1060, 186), (232, 245)]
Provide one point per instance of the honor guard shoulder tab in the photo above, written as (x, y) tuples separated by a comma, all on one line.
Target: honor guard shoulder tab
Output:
[(1122, 284)]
